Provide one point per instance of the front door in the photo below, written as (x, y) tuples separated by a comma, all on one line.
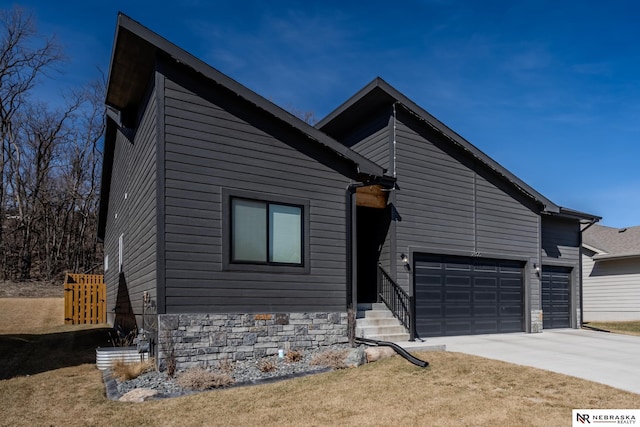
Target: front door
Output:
[(372, 230)]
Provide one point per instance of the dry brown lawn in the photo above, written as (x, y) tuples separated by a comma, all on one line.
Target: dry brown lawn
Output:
[(455, 390), (628, 328), (31, 315)]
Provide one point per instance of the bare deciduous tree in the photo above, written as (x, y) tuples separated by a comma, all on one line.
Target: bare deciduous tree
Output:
[(49, 162)]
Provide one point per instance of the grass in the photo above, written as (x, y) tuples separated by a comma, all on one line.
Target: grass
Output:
[(628, 328), (455, 390), (34, 338)]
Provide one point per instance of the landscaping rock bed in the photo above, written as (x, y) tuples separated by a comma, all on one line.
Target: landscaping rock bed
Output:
[(243, 372)]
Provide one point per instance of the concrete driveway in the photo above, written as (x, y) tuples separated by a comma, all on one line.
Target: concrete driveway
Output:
[(605, 358)]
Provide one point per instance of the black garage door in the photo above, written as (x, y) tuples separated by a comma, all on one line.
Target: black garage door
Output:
[(555, 297), (463, 296)]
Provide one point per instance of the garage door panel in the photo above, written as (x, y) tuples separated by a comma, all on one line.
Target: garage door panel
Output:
[(480, 296), (454, 296), (513, 283), (511, 268), (486, 282), (488, 267), (429, 279), (431, 329), (486, 327), (455, 266), (485, 311), (511, 325), (556, 300), (485, 297), (511, 310), (511, 296), (457, 281), (457, 328)]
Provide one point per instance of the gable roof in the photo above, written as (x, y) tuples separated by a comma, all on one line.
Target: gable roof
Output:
[(133, 60), (613, 243), (379, 93)]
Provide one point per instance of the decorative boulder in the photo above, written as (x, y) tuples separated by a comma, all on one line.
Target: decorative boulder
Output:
[(378, 353), (355, 358), (138, 395)]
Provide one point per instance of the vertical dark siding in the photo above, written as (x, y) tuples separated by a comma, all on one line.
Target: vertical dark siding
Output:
[(208, 149), (134, 170)]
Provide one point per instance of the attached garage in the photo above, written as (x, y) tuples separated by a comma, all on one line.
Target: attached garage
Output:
[(463, 296), (453, 215), (556, 303)]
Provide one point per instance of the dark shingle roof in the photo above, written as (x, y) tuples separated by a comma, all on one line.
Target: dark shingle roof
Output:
[(614, 242)]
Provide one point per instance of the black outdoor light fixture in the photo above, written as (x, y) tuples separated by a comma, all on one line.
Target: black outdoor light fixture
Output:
[(405, 261), (536, 268)]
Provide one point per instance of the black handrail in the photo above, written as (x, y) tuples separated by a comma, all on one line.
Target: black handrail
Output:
[(401, 304)]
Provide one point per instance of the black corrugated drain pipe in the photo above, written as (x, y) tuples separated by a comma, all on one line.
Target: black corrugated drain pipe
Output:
[(401, 351)]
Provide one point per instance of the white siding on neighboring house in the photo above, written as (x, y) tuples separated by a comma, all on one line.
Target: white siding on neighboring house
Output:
[(611, 288)]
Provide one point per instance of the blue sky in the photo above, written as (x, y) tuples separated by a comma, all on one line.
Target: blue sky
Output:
[(549, 89)]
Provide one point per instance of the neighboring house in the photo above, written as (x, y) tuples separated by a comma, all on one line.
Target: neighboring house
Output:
[(611, 273), (234, 228)]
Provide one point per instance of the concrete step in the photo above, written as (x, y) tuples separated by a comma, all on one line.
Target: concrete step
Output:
[(375, 321), (377, 314), (372, 306), (378, 321), (367, 331), (390, 337)]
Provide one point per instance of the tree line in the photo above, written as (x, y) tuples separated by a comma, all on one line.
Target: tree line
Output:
[(50, 159)]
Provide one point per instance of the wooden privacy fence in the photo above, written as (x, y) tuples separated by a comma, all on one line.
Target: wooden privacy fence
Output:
[(85, 299)]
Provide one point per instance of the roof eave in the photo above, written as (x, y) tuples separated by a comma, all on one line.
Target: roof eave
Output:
[(593, 248), (546, 205), (614, 257), (150, 40), (584, 217)]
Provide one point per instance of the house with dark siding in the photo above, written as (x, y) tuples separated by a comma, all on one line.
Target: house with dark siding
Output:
[(233, 229)]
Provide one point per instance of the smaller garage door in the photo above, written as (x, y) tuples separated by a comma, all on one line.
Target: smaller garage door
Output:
[(465, 296), (556, 301)]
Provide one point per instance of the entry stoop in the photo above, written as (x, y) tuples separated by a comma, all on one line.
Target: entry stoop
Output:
[(375, 321)]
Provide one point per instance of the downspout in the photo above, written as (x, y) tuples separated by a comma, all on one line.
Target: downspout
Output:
[(394, 140)]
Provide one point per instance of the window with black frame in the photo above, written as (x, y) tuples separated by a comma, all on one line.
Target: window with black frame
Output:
[(266, 233)]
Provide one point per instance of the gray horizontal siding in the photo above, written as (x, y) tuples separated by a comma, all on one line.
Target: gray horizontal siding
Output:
[(134, 174), (561, 245), (449, 204), (611, 289), (211, 145), (560, 239), (117, 217), (371, 139)]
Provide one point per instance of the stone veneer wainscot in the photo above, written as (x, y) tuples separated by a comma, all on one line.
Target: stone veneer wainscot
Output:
[(202, 339)]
